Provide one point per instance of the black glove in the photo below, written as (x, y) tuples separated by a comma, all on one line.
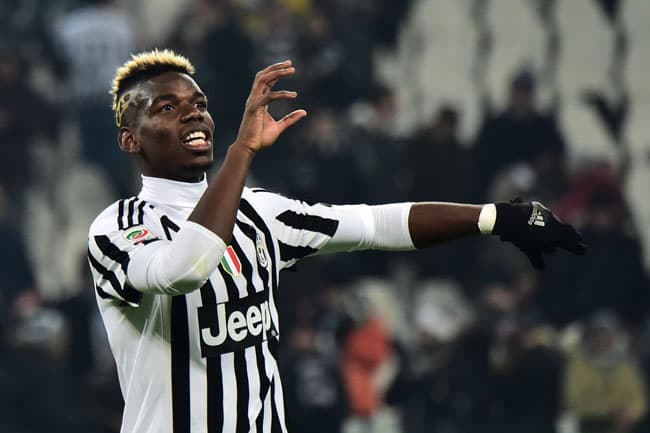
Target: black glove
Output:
[(534, 229)]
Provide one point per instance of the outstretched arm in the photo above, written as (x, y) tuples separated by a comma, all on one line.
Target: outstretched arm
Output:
[(531, 227)]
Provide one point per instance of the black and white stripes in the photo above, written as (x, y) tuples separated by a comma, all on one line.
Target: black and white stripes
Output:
[(109, 262), (206, 361), (130, 213)]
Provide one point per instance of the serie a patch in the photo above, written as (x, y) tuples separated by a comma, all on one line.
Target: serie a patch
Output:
[(138, 234)]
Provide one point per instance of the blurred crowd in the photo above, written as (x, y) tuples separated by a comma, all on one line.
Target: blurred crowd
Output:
[(464, 337)]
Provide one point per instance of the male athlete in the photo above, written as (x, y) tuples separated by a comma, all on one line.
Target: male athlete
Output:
[(187, 272)]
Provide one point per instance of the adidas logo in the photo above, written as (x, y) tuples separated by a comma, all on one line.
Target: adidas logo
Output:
[(536, 218)]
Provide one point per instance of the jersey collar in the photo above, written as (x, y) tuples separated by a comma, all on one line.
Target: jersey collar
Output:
[(172, 192)]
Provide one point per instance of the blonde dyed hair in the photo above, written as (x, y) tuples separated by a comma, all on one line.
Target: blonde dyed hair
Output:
[(140, 67)]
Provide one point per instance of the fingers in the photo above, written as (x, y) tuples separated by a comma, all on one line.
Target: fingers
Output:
[(290, 119), (267, 78), (261, 93), (281, 94), (274, 67), (271, 78), (571, 240)]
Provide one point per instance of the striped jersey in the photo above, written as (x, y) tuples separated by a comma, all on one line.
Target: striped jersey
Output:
[(205, 361)]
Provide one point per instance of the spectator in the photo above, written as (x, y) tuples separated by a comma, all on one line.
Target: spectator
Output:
[(31, 368), (520, 134), (94, 41), (612, 275), (439, 168), (528, 377), (311, 376), (366, 352), (216, 34), (440, 164), (20, 124), (604, 389)]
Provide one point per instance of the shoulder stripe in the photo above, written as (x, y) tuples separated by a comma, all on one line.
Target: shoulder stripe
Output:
[(112, 251), (131, 212), (120, 215), (168, 226), (141, 212), (127, 293), (292, 252), (121, 257), (312, 223)]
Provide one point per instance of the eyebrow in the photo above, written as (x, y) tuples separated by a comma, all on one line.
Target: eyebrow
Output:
[(172, 97)]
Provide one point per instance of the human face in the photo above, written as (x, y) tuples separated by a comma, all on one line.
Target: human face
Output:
[(172, 133)]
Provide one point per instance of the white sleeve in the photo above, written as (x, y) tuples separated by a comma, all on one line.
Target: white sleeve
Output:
[(379, 227), (178, 266), (128, 262), (302, 229)]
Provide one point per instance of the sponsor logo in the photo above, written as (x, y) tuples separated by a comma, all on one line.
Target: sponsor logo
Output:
[(138, 234), (235, 325), (260, 247), (230, 262)]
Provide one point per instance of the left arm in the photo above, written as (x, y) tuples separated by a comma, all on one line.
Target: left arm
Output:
[(531, 227), (309, 229)]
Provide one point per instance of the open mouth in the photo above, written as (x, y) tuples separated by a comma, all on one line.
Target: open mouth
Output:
[(197, 140)]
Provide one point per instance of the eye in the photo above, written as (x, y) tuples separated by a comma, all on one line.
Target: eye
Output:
[(167, 107), (201, 104)]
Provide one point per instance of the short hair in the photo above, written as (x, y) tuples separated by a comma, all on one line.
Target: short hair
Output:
[(144, 66)]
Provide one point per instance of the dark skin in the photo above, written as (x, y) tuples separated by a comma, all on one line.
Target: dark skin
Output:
[(172, 104)]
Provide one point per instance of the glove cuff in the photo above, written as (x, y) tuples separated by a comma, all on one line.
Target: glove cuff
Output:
[(487, 218), (510, 217)]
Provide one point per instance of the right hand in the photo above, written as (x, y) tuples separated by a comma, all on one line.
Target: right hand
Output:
[(258, 128)]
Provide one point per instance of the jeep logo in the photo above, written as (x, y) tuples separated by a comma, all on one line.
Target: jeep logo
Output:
[(235, 325)]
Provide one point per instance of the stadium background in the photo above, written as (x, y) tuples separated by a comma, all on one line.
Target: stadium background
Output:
[(470, 100)]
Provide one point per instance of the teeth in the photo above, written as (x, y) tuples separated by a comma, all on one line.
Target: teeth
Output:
[(194, 135)]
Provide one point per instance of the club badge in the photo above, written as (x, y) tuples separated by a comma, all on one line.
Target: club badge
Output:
[(260, 247)]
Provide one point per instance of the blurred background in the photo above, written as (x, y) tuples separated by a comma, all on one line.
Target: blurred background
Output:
[(447, 100)]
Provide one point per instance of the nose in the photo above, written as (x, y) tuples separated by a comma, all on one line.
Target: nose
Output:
[(192, 113)]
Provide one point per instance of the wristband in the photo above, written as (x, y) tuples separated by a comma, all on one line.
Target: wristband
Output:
[(487, 218)]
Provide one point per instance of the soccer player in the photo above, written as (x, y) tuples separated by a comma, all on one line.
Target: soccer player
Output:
[(186, 272)]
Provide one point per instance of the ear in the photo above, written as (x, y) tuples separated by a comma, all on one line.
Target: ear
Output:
[(127, 141)]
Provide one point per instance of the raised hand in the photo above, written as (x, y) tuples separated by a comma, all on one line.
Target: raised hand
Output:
[(258, 128), (535, 230)]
